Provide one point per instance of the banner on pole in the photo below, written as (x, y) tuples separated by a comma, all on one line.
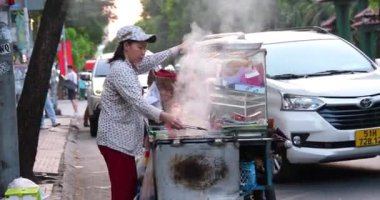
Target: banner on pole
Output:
[(64, 54)]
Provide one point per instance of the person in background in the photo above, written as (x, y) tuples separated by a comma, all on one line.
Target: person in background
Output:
[(82, 89), (50, 112), (49, 109), (121, 121), (72, 93), (49, 105)]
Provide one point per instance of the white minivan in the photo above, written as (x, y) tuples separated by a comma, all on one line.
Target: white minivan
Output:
[(324, 97)]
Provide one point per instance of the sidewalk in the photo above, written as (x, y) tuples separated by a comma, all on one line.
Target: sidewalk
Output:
[(51, 147)]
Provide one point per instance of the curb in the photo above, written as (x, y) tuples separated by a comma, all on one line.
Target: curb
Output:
[(64, 189), (49, 164)]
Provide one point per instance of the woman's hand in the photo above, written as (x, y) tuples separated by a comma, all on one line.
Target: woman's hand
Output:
[(171, 120), (184, 47)]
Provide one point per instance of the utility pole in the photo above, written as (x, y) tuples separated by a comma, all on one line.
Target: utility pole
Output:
[(64, 49), (9, 155), (27, 33)]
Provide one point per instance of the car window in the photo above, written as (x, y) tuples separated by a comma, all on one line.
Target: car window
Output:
[(102, 68), (312, 56)]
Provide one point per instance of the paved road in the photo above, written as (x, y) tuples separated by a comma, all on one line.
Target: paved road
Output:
[(67, 109), (86, 174), (349, 180)]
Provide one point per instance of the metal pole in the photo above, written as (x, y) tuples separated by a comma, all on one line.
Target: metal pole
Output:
[(27, 34), (9, 156), (64, 49)]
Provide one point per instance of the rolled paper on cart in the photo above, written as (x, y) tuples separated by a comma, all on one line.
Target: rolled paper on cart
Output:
[(254, 115), (240, 117)]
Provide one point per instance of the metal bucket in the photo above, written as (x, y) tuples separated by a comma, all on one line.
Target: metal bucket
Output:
[(197, 170)]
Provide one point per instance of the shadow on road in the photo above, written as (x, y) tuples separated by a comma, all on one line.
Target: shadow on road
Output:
[(339, 171)]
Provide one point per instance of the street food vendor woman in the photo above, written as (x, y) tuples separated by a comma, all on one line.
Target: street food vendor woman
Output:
[(121, 121)]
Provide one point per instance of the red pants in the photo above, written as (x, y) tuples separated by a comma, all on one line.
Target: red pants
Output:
[(122, 172)]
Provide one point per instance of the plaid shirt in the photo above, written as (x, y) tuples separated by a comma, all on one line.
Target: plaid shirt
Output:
[(121, 120)]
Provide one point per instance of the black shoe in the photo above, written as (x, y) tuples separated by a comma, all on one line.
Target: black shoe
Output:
[(86, 124), (56, 124)]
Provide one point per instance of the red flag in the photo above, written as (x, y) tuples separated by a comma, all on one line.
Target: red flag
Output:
[(61, 56)]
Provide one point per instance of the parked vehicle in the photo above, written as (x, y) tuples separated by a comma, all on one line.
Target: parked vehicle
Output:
[(84, 82), (324, 97), (99, 73)]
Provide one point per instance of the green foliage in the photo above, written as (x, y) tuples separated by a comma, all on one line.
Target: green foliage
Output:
[(295, 13), (90, 17), (86, 21), (169, 19), (374, 4), (110, 46), (82, 48)]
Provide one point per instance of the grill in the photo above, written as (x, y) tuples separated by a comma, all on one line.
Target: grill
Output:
[(345, 117)]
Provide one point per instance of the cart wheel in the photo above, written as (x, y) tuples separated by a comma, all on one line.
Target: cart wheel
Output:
[(270, 194)]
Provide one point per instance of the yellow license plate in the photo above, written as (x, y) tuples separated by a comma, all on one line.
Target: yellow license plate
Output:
[(369, 137)]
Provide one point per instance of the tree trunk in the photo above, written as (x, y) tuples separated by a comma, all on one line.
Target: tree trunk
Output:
[(31, 103)]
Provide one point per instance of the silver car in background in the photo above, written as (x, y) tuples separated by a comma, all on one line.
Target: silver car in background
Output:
[(95, 89)]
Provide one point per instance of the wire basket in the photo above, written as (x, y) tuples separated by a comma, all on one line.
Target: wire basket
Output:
[(227, 102), (247, 177)]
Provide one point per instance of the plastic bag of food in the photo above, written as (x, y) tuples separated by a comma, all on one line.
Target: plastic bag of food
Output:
[(141, 164), (147, 189), (24, 187)]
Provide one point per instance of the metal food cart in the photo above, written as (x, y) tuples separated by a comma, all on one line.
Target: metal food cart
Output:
[(232, 158)]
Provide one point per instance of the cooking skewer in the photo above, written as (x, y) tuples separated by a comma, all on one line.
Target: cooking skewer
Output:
[(194, 127)]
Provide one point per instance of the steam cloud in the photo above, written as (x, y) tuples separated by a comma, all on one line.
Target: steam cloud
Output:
[(240, 15), (191, 91)]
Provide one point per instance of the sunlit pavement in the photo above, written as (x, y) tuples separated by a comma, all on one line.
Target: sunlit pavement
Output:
[(51, 146)]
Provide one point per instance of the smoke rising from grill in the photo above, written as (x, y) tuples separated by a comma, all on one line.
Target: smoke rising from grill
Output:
[(192, 91), (230, 16)]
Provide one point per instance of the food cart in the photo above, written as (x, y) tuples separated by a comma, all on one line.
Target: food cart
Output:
[(230, 158)]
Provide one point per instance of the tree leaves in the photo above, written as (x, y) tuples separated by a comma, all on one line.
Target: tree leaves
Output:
[(86, 22), (82, 48)]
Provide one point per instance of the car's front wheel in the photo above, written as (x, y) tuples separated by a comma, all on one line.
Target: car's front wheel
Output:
[(94, 123), (283, 170)]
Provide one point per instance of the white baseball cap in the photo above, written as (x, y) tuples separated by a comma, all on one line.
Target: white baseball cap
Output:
[(134, 33)]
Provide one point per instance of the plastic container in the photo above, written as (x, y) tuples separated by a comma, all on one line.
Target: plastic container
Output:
[(32, 193), (248, 179)]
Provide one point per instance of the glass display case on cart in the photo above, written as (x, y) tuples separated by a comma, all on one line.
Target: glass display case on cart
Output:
[(231, 158)]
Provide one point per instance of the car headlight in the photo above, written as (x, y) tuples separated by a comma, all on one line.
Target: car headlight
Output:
[(300, 103)]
